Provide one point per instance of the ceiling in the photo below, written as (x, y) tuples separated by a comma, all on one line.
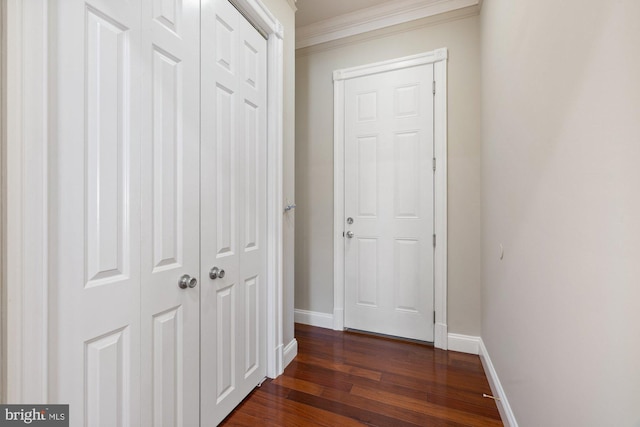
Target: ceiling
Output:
[(311, 11)]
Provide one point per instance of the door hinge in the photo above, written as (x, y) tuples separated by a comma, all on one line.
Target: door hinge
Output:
[(434, 240), (434, 317), (434, 87), (434, 164)]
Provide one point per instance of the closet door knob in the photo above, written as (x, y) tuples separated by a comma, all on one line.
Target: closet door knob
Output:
[(216, 273), (187, 281)]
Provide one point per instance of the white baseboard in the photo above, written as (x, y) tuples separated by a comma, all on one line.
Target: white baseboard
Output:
[(290, 353), (464, 343), (313, 318), (441, 337), (338, 319), (279, 362), (508, 418)]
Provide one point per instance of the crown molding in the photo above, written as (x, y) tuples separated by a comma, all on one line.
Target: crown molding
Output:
[(292, 4), (389, 31), (375, 18)]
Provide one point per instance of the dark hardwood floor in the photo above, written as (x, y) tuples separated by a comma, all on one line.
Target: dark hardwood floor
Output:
[(349, 379)]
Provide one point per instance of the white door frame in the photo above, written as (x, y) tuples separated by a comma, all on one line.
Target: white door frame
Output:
[(3, 89), (26, 199), (439, 59)]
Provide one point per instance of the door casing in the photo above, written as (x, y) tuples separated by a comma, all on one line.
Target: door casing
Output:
[(3, 100), (26, 277), (438, 58)]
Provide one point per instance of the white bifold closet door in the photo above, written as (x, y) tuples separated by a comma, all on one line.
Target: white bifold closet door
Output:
[(233, 188), (170, 220), (95, 227), (157, 171)]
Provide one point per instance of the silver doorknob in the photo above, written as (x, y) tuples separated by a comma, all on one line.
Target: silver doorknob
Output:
[(187, 281), (350, 234), (216, 273)]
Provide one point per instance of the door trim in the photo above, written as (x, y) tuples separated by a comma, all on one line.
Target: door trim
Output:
[(25, 305), (439, 59), (3, 231), (26, 199)]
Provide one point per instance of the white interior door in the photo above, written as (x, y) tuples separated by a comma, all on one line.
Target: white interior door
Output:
[(170, 315), (94, 315), (233, 188), (389, 198)]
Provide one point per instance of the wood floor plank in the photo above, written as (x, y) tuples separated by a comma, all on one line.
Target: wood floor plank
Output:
[(363, 416), (339, 366), (426, 408), (329, 375), (299, 385), (353, 379), (288, 412), (242, 418), (321, 376), (462, 405), (437, 373), (400, 384), (387, 409)]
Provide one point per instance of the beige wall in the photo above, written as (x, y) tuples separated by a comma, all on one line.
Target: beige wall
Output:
[(561, 192), (285, 14), (314, 157)]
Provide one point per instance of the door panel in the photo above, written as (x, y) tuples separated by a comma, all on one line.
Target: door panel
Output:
[(225, 342), (389, 195), (367, 284), (368, 185), (233, 209), (252, 326), (107, 393), (168, 223), (94, 358), (407, 175), (107, 144), (250, 166), (225, 176), (171, 212), (167, 360)]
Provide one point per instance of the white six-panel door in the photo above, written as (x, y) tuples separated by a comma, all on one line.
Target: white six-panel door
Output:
[(389, 198), (233, 189)]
